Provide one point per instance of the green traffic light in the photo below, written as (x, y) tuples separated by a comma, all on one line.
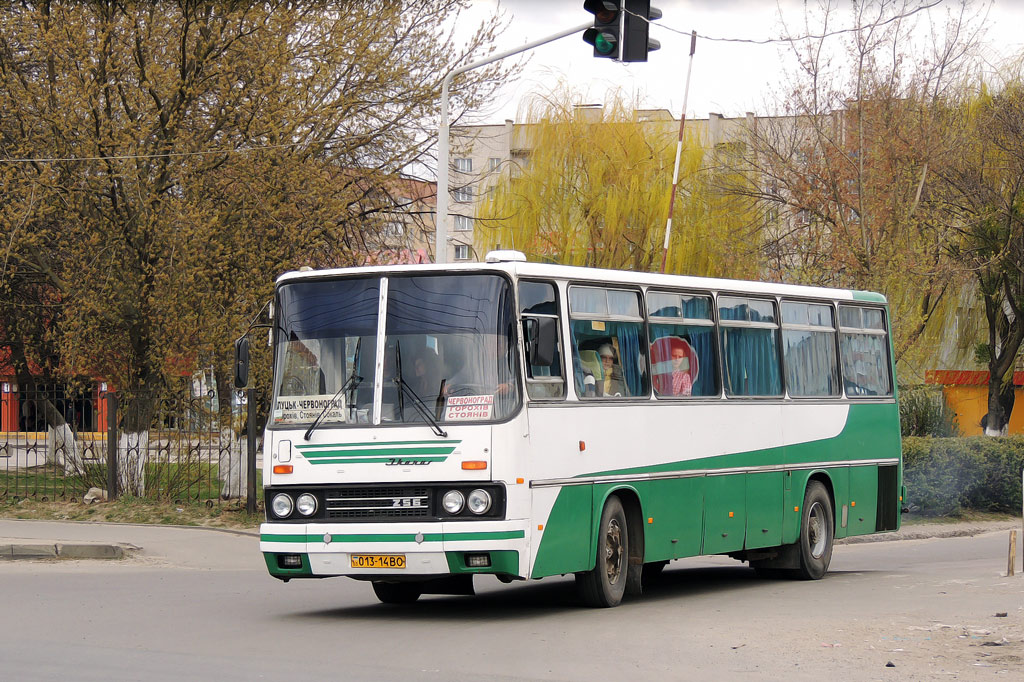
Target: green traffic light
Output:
[(603, 45)]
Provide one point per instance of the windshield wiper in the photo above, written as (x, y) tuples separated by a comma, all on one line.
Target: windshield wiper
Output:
[(417, 402), (353, 380)]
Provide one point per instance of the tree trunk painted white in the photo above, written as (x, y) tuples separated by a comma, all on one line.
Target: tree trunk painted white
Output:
[(232, 470), (62, 449), (132, 454)]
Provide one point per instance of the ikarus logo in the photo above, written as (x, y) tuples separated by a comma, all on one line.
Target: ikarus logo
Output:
[(388, 453)]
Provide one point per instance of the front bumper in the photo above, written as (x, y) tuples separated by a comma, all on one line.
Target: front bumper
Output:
[(430, 549)]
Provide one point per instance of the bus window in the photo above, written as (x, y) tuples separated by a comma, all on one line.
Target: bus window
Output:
[(450, 340), (864, 350), (609, 345), (809, 347), (682, 345), (748, 333), (325, 329), (539, 301)]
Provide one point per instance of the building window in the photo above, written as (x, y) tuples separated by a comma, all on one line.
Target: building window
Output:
[(464, 165), (393, 229), (493, 163), (461, 252), (464, 193), (463, 223)]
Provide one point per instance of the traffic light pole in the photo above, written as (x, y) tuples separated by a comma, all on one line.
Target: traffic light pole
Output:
[(441, 228)]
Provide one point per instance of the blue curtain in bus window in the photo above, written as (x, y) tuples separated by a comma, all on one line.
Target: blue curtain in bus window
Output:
[(628, 334), (702, 340), (751, 361)]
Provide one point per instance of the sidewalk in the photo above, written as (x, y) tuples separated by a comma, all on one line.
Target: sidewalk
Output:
[(199, 546), (204, 546)]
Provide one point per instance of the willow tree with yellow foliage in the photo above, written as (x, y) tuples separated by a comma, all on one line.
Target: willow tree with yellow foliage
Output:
[(594, 190)]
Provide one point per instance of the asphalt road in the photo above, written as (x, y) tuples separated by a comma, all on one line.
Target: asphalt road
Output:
[(199, 604)]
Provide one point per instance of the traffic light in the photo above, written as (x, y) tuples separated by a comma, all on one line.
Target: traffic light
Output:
[(635, 29), (605, 35)]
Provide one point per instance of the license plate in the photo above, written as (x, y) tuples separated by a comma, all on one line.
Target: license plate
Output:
[(378, 560)]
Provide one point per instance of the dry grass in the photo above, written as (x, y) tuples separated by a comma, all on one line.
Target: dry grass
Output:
[(134, 510)]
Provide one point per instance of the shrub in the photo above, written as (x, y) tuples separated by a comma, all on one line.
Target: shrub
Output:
[(924, 412), (950, 475)]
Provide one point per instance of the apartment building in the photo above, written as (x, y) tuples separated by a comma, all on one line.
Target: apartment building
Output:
[(481, 155)]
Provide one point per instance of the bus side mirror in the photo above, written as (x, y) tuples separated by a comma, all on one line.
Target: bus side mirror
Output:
[(541, 339), (242, 362)]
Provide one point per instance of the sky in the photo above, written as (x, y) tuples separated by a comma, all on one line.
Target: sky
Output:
[(729, 78)]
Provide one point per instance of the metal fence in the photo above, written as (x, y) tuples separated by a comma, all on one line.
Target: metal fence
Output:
[(177, 446)]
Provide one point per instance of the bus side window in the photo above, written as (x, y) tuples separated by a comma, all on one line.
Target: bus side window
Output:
[(682, 345), (809, 349), (539, 307), (609, 343), (864, 349), (748, 333)]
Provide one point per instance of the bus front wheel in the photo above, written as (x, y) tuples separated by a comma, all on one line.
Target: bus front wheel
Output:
[(396, 593), (817, 530), (604, 585)]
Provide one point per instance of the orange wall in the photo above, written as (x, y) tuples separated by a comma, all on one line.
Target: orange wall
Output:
[(970, 403)]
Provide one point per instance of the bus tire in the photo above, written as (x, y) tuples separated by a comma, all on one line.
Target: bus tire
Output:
[(396, 593), (604, 585), (817, 531)]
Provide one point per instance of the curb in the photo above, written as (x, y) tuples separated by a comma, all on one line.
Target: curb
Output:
[(14, 551), (929, 531)]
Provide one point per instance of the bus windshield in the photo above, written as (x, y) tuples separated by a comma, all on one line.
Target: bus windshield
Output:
[(448, 351)]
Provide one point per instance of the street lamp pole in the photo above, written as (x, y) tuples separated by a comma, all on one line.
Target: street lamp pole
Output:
[(441, 228)]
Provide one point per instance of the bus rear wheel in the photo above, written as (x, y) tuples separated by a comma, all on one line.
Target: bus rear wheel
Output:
[(817, 531), (605, 584), (396, 593)]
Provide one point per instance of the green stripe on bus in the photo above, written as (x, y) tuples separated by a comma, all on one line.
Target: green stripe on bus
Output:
[(378, 452), (399, 537), (371, 460), (868, 296)]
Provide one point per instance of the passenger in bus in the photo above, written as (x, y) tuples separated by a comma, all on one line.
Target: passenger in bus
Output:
[(464, 377), (611, 383), (675, 365)]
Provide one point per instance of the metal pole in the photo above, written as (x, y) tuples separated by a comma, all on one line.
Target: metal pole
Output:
[(111, 445), (679, 153), (250, 443), (441, 220)]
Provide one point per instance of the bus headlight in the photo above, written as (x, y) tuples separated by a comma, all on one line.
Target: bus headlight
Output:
[(282, 505), (479, 502), (453, 501), (306, 504)]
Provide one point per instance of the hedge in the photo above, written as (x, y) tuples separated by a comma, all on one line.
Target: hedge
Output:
[(950, 475)]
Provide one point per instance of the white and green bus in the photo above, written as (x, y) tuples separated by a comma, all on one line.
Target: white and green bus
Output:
[(433, 422)]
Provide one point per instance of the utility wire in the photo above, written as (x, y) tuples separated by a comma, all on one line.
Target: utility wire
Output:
[(158, 155), (809, 36)]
